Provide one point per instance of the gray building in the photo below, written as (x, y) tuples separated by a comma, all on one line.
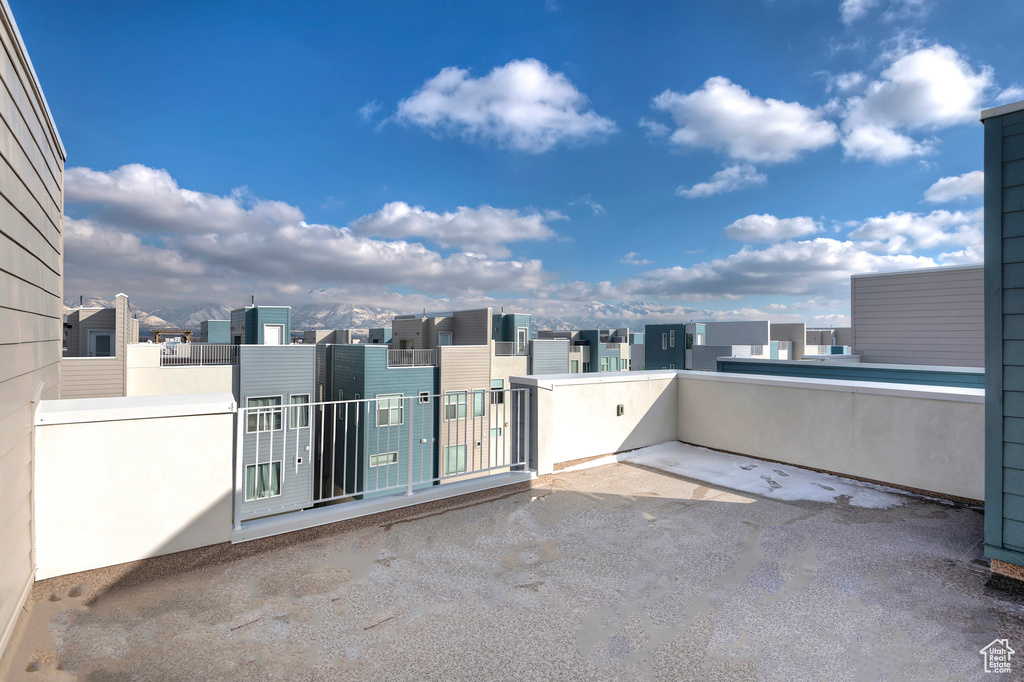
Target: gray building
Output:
[(96, 351), (31, 270), (275, 388), (933, 316), (215, 331), (1004, 344)]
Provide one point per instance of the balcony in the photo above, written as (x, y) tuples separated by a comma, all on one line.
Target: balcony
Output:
[(412, 357), (197, 354), (510, 348)]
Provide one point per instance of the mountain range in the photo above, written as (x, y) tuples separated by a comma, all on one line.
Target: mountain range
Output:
[(350, 316)]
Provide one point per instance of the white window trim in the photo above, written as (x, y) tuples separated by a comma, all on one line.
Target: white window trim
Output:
[(482, 393), (672, 338), (401, 408), (271, 463), (392, 458), (664, 341), (266, 409), (465, 456), (293, 408), (424, 397), (464, 404)]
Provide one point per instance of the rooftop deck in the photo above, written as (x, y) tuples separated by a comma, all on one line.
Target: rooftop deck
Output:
[(614, 572)]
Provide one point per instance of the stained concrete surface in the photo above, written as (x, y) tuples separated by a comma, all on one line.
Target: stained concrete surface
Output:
[(612, 573)]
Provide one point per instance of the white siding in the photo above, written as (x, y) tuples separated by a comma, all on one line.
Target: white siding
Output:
[(31, 287), (927, 317)]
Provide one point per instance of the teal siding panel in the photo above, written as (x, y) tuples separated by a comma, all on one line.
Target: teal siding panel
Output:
[(1013, 171), (1013, 380), (1012, 149), (1013, 455), (1013, 403), (1013, 301), (1013, 507), (855, 373), (1013, 252), (1013, 325), (1013, 534), (1013, 429), (1013, 352), (1013, 482), (1011, 120), (1013, 224), (1013, 198)]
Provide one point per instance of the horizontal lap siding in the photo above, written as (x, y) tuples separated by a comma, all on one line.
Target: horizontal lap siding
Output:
[(1004, 259), (927, 318), (31, 266)]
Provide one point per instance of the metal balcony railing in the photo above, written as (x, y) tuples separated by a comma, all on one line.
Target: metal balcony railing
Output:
[(197, 354), (510, 348), (412, 357)]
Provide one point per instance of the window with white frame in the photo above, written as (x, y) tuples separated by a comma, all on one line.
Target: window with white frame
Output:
[(383, 459), (574, 366), (664, 341), (455, 405), (479, 400), (263, 414), (298, 416), (604, 364), (262, 480), (497, 391), (390, 409), (424, 396), (672, 338), (454, 460)]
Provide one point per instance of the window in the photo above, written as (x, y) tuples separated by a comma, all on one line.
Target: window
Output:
[(455, 405), (383, 459), (262, 480), (672, 366), (604, 364), (424, 396), (700, 339), (444, 338), (454, 460), (298, 417), (664, 341), (586, 367), (498, 394), (613, 364), (264, 414), (574, 366), (390, 409), (689, 341), (479, 399), (672, 338)]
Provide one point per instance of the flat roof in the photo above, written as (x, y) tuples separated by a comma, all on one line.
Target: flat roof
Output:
[(1003, 110), (914, 271)]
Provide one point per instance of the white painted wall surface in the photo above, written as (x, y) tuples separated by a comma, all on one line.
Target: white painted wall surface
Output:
[(577, 414), (931, 438), (145, 376), (121, 479)]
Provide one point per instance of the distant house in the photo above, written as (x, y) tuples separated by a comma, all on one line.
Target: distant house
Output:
[(380, 335), (95, 350), (215, 331), (264, 325), (595, 350), (275, 389)]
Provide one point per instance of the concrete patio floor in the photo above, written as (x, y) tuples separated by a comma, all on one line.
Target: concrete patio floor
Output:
[(611, 573)]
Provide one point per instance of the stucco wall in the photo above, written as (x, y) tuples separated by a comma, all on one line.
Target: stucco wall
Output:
[(574, 416), (926, 437), (121, 479), (145, 376)]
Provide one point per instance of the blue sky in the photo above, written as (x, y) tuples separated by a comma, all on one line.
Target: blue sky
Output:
[(722, 160)]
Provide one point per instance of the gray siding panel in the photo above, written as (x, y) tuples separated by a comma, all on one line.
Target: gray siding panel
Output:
[(930, 317), (31, 288), (549, 356)]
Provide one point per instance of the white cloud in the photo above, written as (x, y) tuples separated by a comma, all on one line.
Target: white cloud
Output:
[(369, 110), (901, 232), (653, 128), (818, 267), (848, 82), (521, 105), (146, 233), (481, 230), (768, 228), (726, 180), (926, 89), (956, 187), (725, 117), (1014, 93), (633, 258), (852, 10)]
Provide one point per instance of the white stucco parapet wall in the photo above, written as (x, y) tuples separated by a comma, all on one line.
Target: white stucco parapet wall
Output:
[(139, 407), (954, 393), (549, 381)]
